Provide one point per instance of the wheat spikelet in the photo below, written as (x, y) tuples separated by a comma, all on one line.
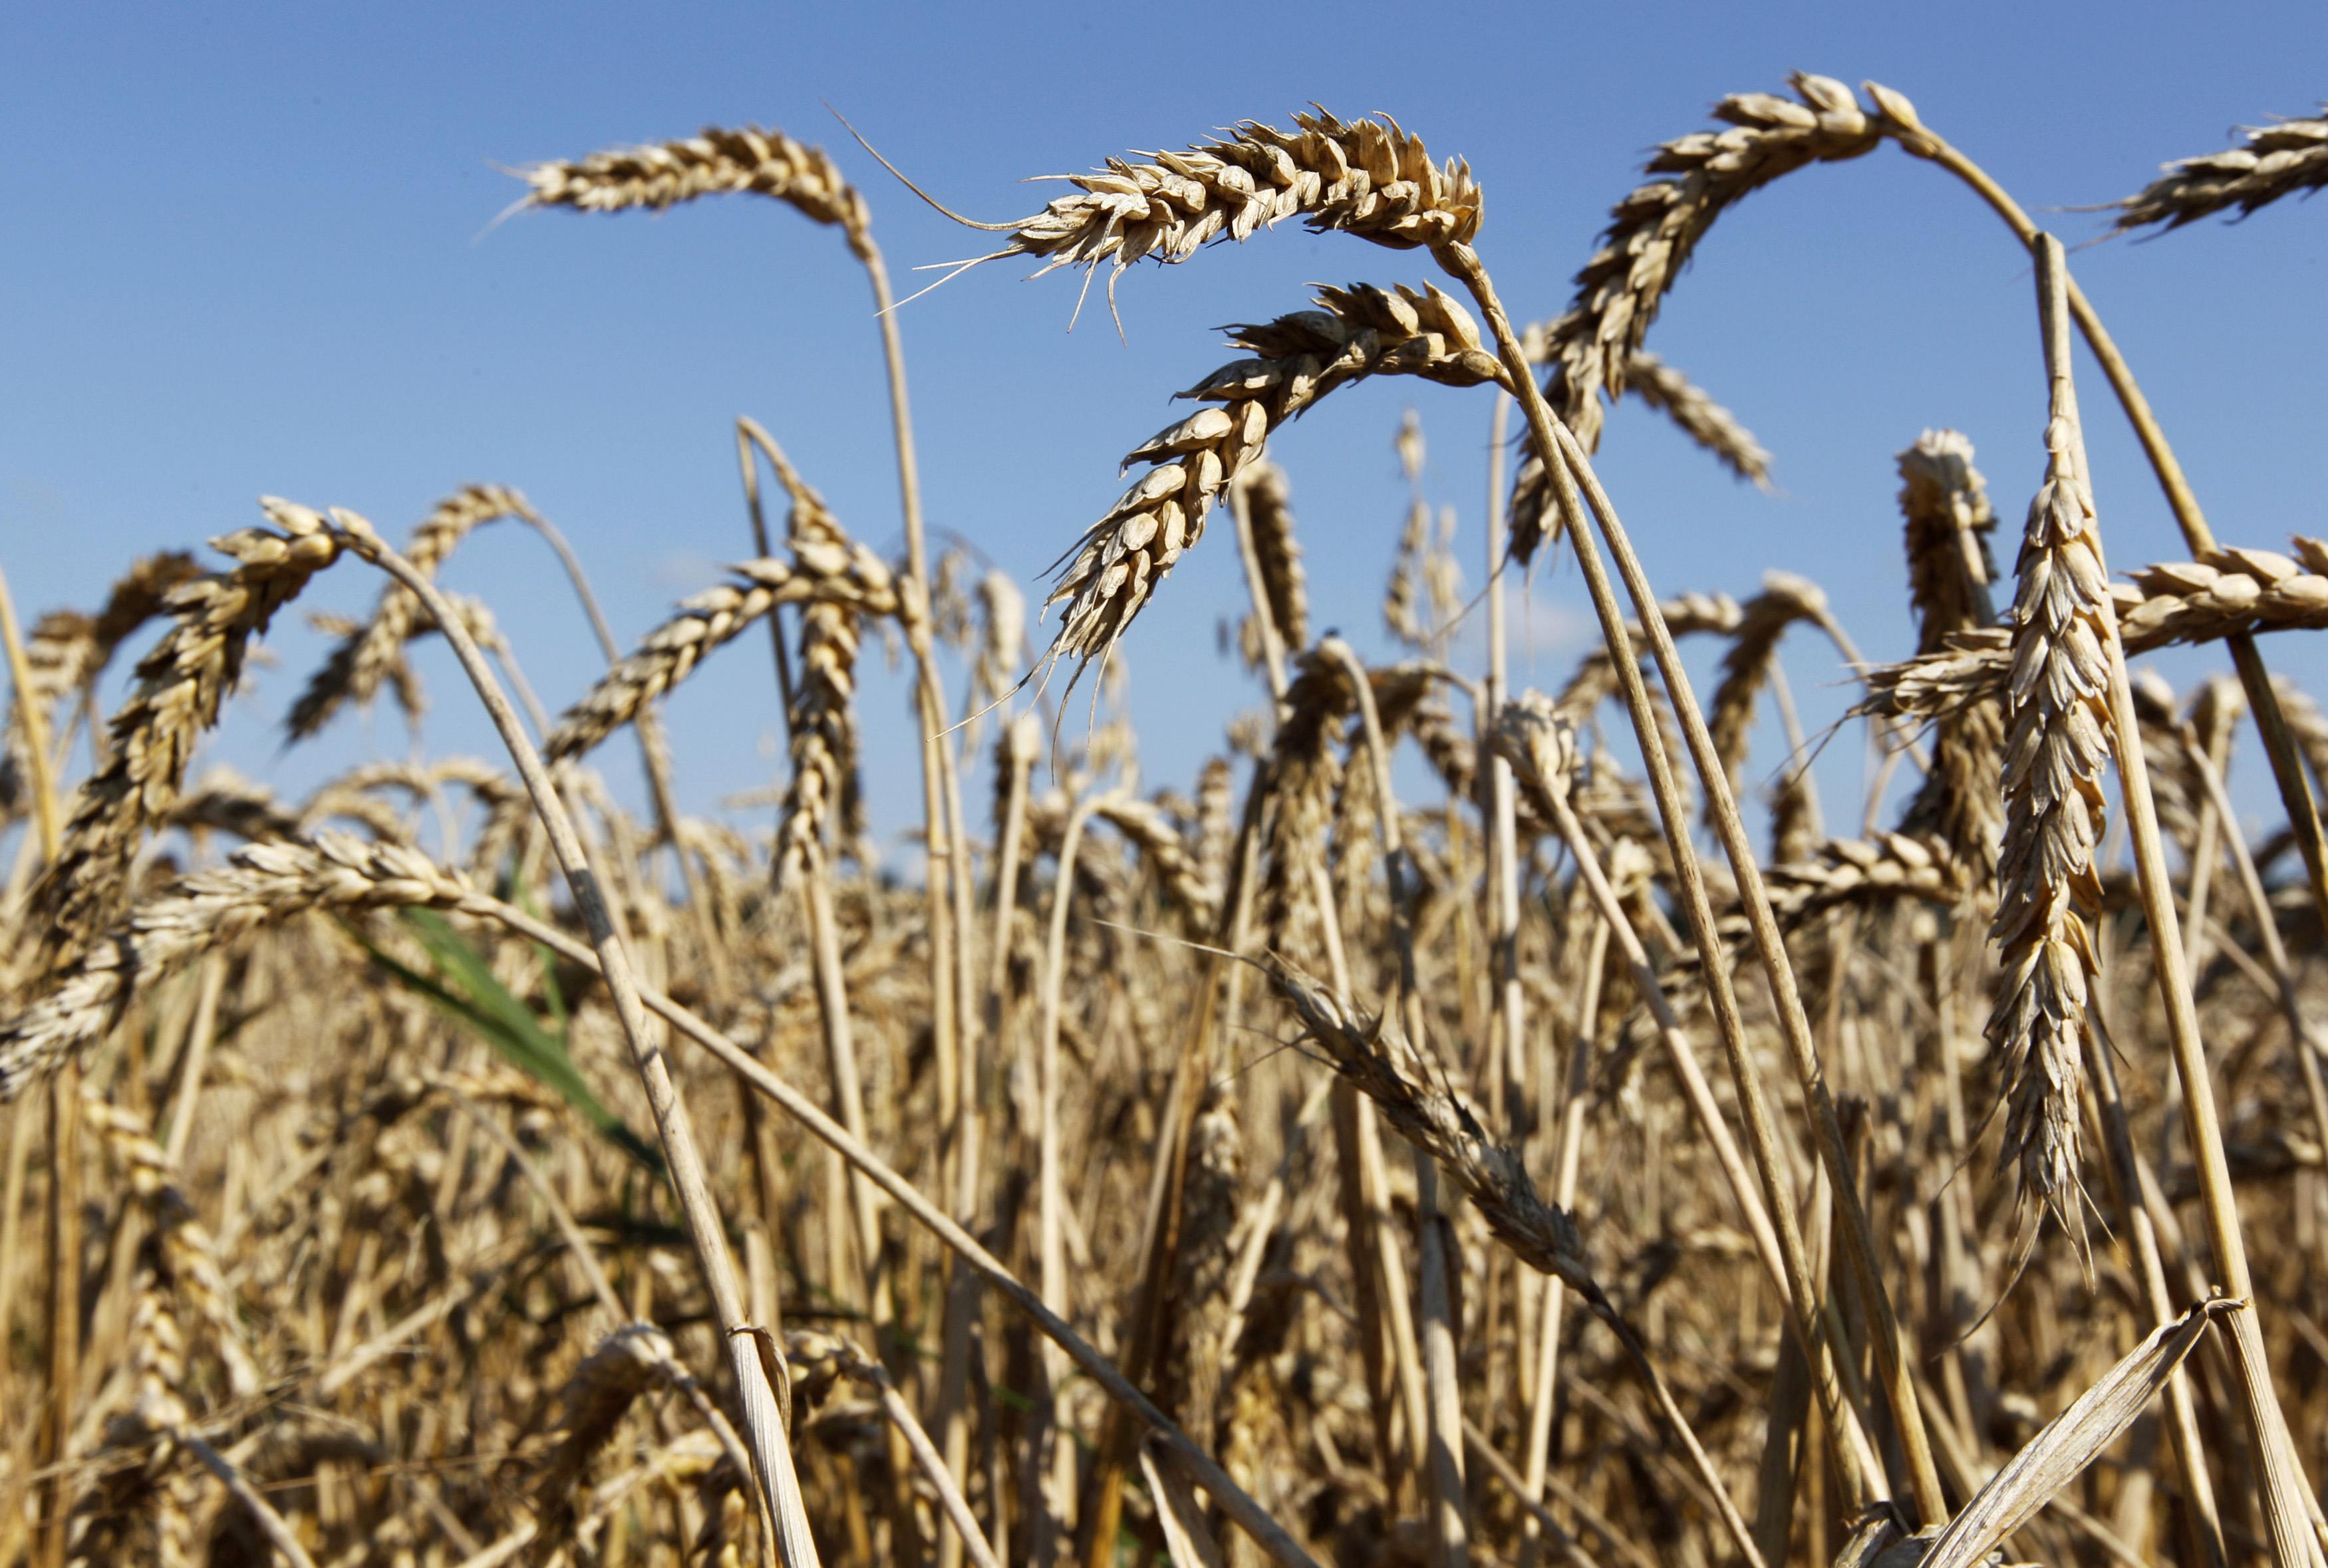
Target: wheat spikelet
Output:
[(852, 575), (1420, 1106), (1685, 615), (1147, 829), (1700, 417), (626, 1363), (715, 162), (180, 685), (2057, 730), (372, 653), (1654, 230), (189, 1256), (1303, 778), (1785, 600), (1945, 503), (1357, 332), (2233, 591), (2274, 161), (260, 883), (822, 794), (1883, 870), (1367, 177)]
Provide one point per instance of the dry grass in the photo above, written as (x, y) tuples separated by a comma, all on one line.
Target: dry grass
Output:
[(397, 1234)]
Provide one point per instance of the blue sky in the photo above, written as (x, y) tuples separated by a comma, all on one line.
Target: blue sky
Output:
[(247, 251)]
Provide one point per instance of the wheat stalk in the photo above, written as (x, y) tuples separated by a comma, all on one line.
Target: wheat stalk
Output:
[(1356, 332), (2272, 161), (180, 686)]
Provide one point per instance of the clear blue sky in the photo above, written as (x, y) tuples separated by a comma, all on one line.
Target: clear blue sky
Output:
[(246, 252)]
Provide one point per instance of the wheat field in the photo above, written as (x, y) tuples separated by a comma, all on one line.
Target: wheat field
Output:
[(1462, 1123)]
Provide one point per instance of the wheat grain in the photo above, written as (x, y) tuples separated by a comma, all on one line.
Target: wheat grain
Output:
[(2273, 161), (1785, 600), (1357, 332), (1700, 417), (1945, 503)]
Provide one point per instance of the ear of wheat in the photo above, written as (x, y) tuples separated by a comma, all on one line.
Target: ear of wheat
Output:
[(2270, 161), (1367, 177), (2058, 741), (180, 685), (372, 653), (1357, 332), (2233, 591), (1945, 503), (750, 159), (822, 795)]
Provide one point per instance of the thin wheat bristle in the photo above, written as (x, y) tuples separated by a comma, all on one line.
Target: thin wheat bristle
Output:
[(2280, 159), (1357, 332)]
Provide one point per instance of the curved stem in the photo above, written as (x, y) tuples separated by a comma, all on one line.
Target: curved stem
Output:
[(771, 1449)]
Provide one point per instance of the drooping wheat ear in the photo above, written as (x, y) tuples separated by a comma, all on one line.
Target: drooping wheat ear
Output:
[(1001, 645), (1216, 820), (626, 1363), (822, 795), (2273, 161), (1784, 601), (1416, 1098), (1653, 232), (180, 685), (1302, 781), (260, 883), (751, 159), (189, 1256), (373, 654), (1685, 615), (1700, 417), (2231, 591), (1890, 867), (222, 801), (68, 650), (852, 575), (2058, 741), (1269, 513), (1368, 177), (1177, 871), (1945, 503), (1357, 332)]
